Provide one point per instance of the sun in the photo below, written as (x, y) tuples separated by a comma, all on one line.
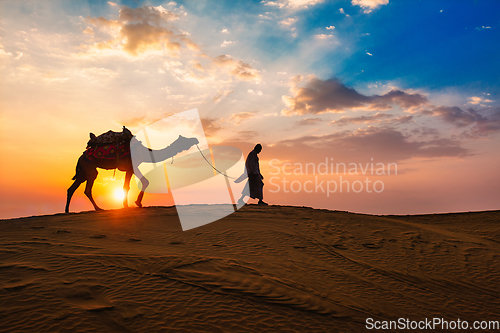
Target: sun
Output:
[(119, 194)]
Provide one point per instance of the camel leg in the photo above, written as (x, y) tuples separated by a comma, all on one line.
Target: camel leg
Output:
[(145, 184), (79, 180), (138, 202), (126, 187), (88, 188)]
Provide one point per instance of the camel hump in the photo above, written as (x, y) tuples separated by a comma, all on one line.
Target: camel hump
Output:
[(110, 137)]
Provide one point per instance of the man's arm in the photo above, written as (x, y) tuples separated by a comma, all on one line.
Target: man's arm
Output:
[(252, 164)]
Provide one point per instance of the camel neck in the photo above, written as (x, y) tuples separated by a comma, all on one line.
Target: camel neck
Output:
[(167, 152)]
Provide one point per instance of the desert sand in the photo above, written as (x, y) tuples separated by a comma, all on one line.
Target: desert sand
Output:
[(261, 269)]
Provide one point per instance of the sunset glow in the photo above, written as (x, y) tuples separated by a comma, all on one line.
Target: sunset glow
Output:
[(119, 195), (411, 83)]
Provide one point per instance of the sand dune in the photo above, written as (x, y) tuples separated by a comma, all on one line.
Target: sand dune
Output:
[(262, 269)]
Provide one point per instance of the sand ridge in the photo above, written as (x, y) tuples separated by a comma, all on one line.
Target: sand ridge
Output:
[(276, 268)]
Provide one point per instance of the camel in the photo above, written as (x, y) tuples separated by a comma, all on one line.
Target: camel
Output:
[(86, 170)]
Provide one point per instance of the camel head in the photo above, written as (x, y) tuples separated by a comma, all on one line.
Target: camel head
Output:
[(184, 143)]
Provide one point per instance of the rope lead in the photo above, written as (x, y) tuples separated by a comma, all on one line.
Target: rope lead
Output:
[(212, 165)]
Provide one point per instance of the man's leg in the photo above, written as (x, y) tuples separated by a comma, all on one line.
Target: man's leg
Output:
[(261, 194)]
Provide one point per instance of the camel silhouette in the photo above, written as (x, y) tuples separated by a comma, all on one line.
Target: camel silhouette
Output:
[(86, 169)]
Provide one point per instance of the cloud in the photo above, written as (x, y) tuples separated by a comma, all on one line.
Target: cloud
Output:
[(237, 118), (221, 94), (255, 92), (246, 135), (134, 122), (362, 119), (478, 100), (403, 99), (292, 4), (323, 36), (198, 66), (211, 126), (369, 5), (146, 29), (381, 144), (486, 125), (342, 11), (288, 24), (151, 15), (142, 121), (456, 116), (96, 74), (330, 27), (141, 29), (226, 43), (289, 21), (4, 54), (323, 96), (387, 119), (89, 31), (331, 96), (308, 121), (481, 124), (401, 120), (237, 68)]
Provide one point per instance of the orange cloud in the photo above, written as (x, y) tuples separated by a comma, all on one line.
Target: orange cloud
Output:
[(369, 5), (211, 126), (362, 119), (142, 29), (237, 68), (89, 31), (221, 94), (237, 118)]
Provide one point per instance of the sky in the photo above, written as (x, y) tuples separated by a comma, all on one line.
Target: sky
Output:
[(403, 94)]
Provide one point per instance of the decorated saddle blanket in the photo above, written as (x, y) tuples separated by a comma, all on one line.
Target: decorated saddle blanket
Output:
[(110, 137), (108, 151)]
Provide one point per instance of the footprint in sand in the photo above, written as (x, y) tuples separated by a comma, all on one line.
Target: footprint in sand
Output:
[(63, 232), (132, 239)]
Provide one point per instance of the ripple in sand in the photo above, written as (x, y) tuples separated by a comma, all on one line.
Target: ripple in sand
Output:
[(98, 236)]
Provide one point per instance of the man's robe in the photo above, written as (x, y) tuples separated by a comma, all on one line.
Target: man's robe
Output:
[(254, 177)]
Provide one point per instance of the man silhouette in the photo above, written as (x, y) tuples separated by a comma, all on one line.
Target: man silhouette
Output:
[(254, 176)]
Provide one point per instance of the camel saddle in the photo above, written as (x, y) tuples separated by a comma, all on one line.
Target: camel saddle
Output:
[(110, 137), (109, 145)]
